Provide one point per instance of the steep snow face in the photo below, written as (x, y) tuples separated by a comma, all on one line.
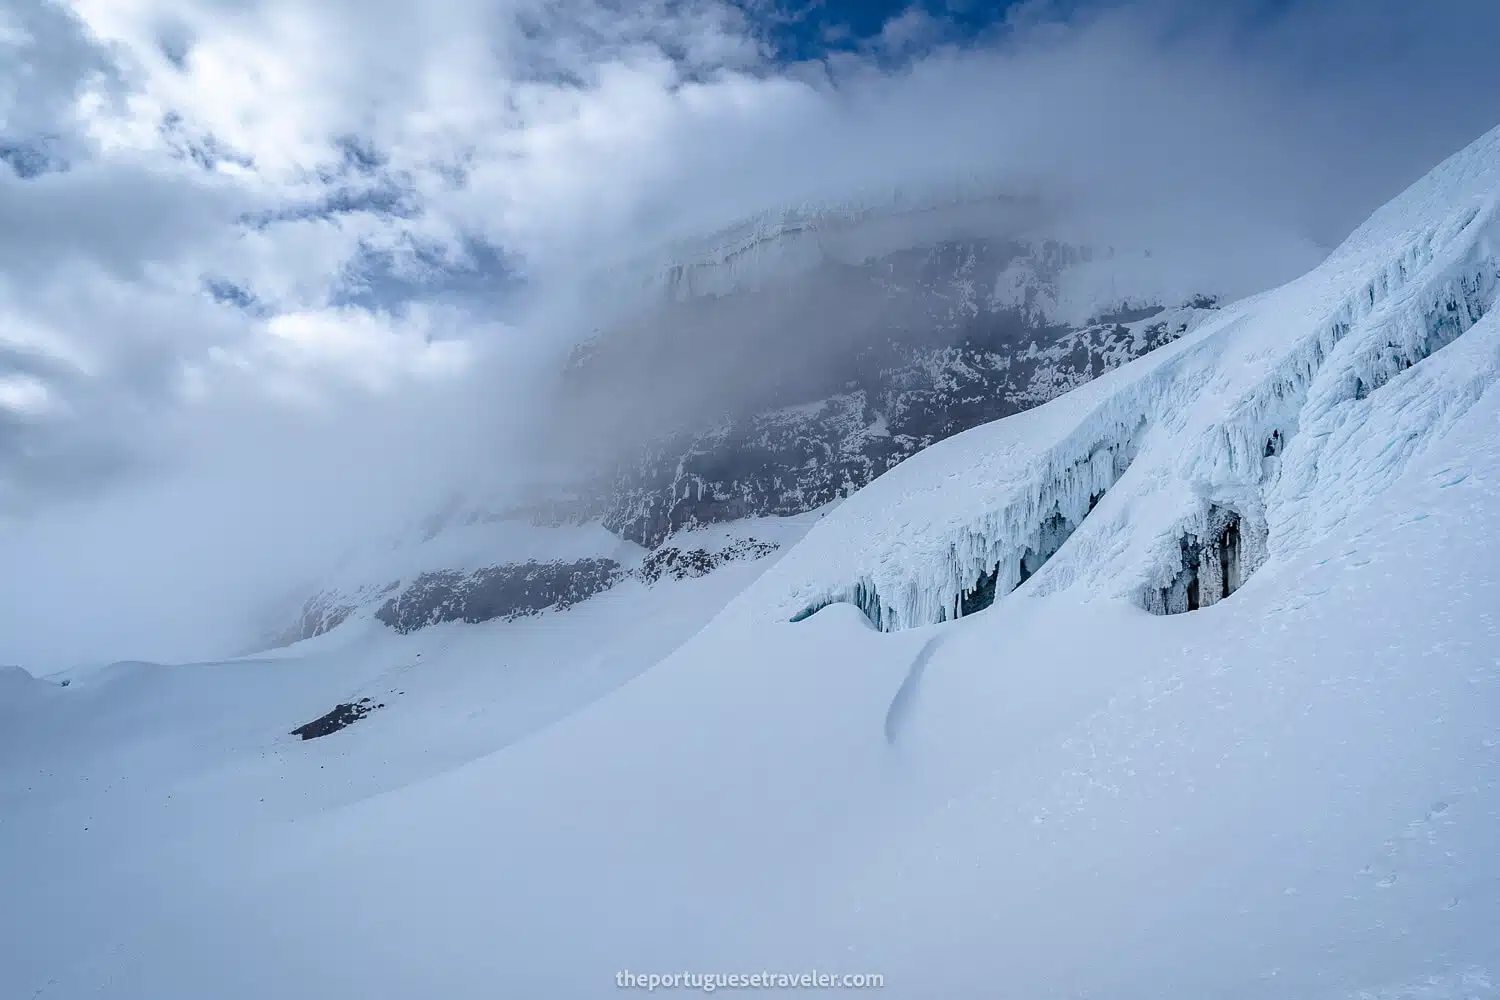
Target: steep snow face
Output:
[(1287, 411)]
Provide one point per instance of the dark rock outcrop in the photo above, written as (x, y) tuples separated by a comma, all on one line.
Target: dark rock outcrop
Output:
[(341, 717), (497, 592), (682, 564)]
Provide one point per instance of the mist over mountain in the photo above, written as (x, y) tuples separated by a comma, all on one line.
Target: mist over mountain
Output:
[(249, 248)]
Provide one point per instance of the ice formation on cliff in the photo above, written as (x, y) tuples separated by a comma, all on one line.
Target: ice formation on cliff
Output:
[(1269, 422)]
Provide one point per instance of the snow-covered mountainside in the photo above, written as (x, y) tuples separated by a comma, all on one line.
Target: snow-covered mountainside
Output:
[(1183, 684), (773, 395), (788, 360), (1252, 434)]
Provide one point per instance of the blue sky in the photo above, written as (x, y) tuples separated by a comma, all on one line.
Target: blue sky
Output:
[(815, 29), (811, 30)]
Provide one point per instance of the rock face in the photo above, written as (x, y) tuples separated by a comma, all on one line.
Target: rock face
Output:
[(342, 716), (327, 610), (944, 339), (683, 564), (505, 592)]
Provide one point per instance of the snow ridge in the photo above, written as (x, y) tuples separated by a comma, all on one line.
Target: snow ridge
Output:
[(1264, 416)]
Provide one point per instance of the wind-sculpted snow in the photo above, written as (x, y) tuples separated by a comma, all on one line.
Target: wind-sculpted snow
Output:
[(1280, 415), (924, 576)]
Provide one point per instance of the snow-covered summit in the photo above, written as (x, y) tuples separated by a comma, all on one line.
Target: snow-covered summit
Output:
[(788, 240), (1073, 271)]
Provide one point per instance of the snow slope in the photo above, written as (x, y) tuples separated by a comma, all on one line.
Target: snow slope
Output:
[(141, 781), (1293, 792)]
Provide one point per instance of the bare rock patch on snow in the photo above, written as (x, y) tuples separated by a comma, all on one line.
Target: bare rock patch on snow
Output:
[(342, 716)]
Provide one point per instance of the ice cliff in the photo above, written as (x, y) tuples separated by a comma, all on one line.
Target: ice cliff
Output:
[(1171, 479)]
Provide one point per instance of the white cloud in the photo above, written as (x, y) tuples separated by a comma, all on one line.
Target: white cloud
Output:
[(24, 394)]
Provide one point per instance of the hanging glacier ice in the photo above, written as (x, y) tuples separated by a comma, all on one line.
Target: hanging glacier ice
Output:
[(1202, 460)]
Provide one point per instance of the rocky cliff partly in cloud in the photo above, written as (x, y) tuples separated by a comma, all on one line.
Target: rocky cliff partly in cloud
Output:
[(782, 377)]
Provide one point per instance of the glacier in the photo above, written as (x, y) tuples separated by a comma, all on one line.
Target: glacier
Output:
[(1251, 413), (1292, 790)]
